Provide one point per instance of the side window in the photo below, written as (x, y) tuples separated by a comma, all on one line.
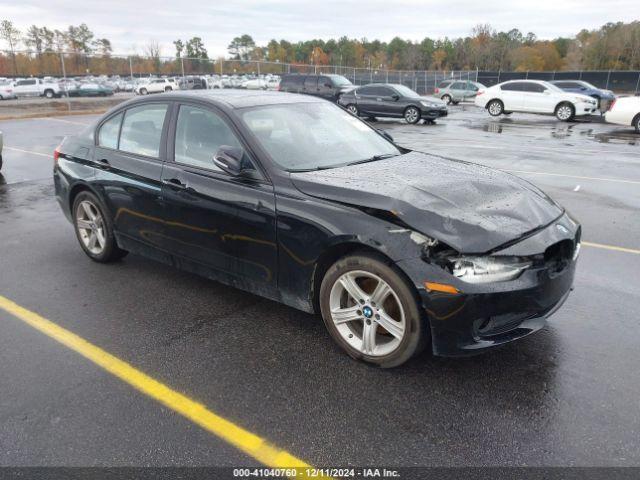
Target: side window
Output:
[(458, 86), (109, 131), (199, 135), (142, 130), (512, 87), (311, 83), (365, 91), (325, 82), (533, 87), (386, 92), (444, 84)]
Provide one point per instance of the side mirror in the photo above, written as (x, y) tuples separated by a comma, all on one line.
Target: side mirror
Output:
[(395, 97), (229, 159), (385, 134), (328, 85)]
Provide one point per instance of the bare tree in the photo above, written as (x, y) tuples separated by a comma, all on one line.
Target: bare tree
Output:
[(152, 50), (11, 35)]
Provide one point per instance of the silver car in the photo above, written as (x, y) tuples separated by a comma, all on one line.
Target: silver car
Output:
[(456, 91)]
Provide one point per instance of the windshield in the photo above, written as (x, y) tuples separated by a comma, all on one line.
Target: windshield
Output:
[(553, 87), (339, 80), (310, 136), (405, 91)]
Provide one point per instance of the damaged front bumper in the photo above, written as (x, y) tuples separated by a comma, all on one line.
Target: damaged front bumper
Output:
[(482, 316)]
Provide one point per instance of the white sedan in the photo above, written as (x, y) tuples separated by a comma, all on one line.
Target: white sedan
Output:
[(625, 111), (535, 96)]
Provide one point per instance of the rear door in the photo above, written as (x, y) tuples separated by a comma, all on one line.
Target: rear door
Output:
[(130, 148), (458, 90), (218, 224), (311, 85), (366, 99), (512, 96)]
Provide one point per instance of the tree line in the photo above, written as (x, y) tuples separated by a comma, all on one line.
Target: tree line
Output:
[(614, 46)]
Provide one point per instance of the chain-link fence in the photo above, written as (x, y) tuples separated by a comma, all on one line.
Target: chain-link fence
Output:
[(24, 64)]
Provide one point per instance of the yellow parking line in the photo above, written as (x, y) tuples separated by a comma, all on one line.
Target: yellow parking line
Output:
[(247, 442), (48, 155), (611, 247)]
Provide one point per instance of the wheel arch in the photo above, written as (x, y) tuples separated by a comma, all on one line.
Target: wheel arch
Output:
[(336, 251), (635, 119), (562, 102), (78, 188)]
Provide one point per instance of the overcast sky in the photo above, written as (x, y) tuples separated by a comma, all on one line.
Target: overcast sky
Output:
[(131, 24)]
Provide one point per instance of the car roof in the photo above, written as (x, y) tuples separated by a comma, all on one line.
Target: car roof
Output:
[(234, 98)]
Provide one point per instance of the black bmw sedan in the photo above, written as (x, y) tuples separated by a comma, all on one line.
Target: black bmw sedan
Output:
[(292, 198), (393, 101)]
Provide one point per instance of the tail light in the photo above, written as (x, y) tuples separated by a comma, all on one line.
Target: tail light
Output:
[(437, 90), (480, 92), (56, 155), (612, 104)]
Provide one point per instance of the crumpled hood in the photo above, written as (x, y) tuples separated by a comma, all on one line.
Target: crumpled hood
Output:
[(472, 208)]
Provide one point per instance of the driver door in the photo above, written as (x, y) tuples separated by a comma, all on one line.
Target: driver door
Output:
[(217, 224)]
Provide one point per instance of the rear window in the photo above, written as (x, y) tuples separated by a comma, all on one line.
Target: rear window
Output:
[(311, 83), (142, 130), (445, 84), (293, 81), (512, 87)]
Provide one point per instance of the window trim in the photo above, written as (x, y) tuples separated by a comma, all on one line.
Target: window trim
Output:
[(162, 153), (171, 144), (99, 129)]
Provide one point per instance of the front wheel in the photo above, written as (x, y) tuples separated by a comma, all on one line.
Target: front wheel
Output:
[(495, 108), (446, 99), (168, 89), (412, 115), (565, 112), (143, 91), (94, 230), (371, 312), (48, 93)]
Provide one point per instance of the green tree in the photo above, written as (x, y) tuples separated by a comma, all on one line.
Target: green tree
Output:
[(11, 35), (240, 47)]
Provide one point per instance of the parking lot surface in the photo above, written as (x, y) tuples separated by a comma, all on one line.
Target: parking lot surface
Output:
[(568, 395)]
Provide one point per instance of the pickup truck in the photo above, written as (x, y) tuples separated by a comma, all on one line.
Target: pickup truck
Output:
[(36, 87)]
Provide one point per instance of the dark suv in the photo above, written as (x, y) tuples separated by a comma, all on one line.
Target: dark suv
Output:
[(329, 87), (391, 100)]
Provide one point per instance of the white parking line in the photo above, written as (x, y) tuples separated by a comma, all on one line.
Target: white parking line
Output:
[(67, 121), (601, 179), (48, 155)]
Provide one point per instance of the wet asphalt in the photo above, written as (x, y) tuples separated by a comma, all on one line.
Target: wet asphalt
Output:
[(568, 395)]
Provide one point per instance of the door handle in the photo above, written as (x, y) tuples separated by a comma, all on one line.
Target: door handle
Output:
[(175, 183)]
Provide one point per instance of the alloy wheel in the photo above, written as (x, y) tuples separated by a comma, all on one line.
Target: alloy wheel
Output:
[(367, 313), (564, 113), (411, 115), (495, 108), (446, 99), (90, 225), (353, 109)]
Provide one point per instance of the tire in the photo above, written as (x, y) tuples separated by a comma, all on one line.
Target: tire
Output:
[(143, 91), (565, 112), (456, 102), (49, 93), (412, 115), (167, 89), (353, 109), (636, 124), (397, 309), (495, 108), (97, 239), (446, 99), (0, 161)]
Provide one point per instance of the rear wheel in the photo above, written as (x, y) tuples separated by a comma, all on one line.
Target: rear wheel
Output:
[(412, 115), (167, 89), (446, 99), (352, 109), (495, 108), (565, 112), (143, 91), (371, 311), (636, 124), (48, 93), (94, 230)]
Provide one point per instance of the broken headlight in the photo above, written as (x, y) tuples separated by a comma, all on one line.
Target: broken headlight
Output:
[(487, 269)]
